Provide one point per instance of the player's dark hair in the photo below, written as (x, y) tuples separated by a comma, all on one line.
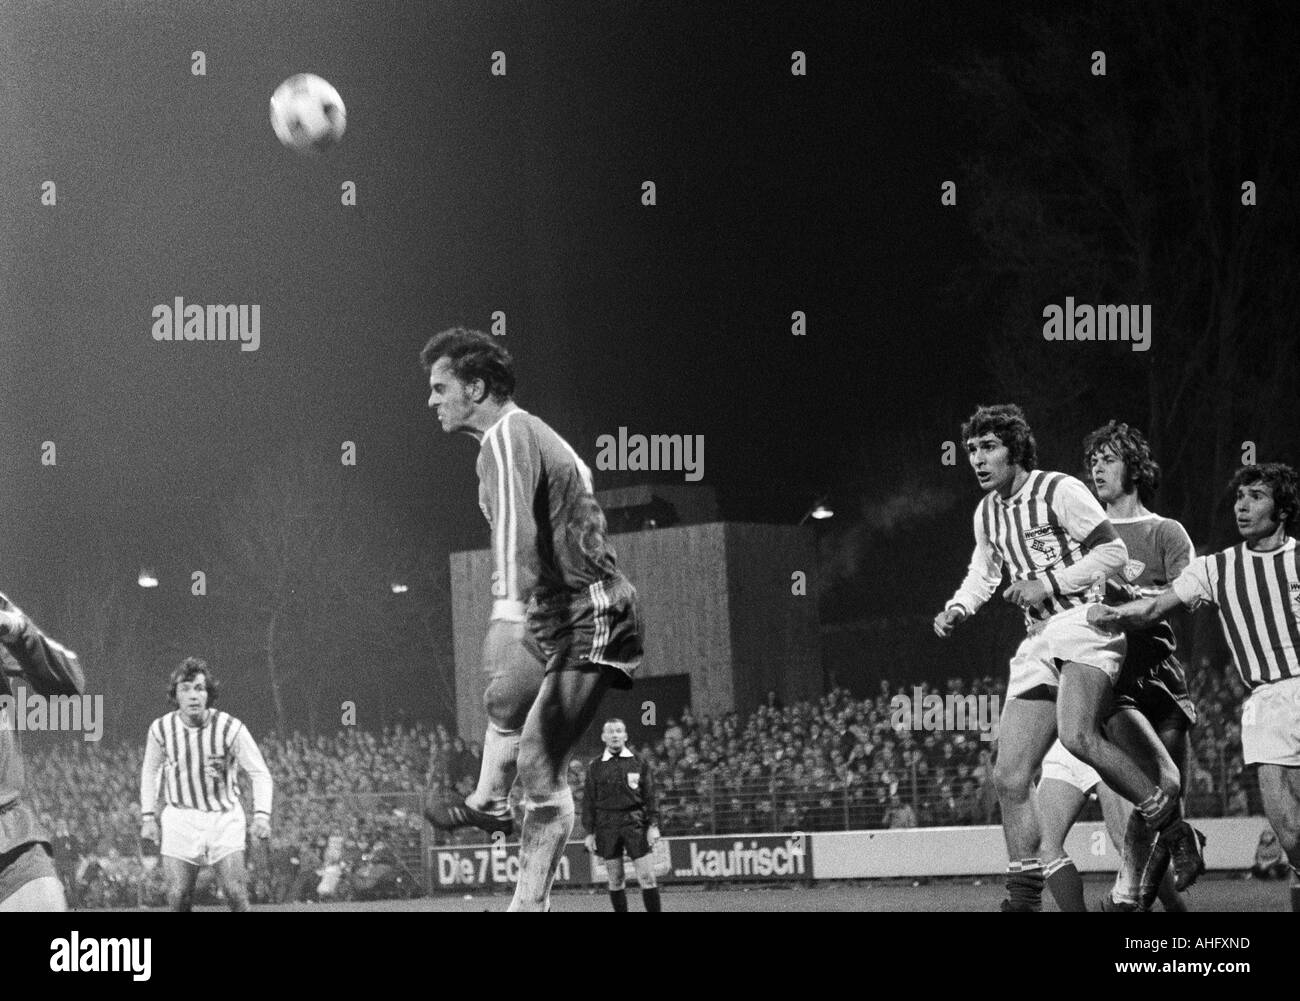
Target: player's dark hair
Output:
[(1131, 448), (189, 669), (473, 355), (1007, 421), (1281, 478), (612, 719)]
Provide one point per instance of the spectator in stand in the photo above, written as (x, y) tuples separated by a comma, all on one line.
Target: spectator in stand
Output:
[(900, 814)]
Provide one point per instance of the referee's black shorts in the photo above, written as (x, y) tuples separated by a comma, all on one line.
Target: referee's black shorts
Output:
[(619, 835)]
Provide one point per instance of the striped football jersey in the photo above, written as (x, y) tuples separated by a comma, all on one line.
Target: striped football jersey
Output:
[(1257, 596), (548, 531)]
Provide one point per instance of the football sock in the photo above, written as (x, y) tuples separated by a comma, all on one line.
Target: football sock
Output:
[(1295, 889), (1066, 884), (1025, 884), (1160, 809), (1137, 846), (619, 899), (650, 898), (547, 826), (497, 773)]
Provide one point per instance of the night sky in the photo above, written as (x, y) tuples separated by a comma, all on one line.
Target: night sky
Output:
[(476, 193)]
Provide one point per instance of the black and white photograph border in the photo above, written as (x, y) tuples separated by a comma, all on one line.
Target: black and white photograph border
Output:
[(360, 548)]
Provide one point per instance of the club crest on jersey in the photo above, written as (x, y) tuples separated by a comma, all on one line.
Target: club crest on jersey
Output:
[(1295, 597), (634, 780), (1043, 548), (1133, 570)]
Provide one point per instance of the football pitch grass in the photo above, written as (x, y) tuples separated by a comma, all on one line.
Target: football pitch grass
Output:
[(1212, 893)]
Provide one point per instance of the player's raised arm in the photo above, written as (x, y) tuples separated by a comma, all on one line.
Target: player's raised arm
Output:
[(983, 576), (48, 667)]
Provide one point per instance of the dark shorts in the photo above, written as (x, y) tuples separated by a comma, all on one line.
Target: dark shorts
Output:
[(599, 625), (24, 864), (1159, 694), (613, 840)]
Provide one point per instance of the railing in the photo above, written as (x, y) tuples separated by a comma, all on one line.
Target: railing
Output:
[(913, 797)]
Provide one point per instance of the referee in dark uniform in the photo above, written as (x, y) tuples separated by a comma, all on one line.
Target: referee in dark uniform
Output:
[(620, 814)]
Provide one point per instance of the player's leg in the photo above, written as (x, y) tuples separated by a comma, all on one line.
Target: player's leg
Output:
[(232, 877), (645, 875), (638, 848), (514, 675), (1279, 788), (181, 877), (1027, 729), (567, 702), (1082, 705), (1173, 736), (1060, 798), (617, 882), (28, 881), (1173, 840)]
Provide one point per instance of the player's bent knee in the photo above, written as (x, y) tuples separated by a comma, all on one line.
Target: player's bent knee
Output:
[(645, 872), (616, 878), (1080, 741), (507, 704), (1011, 780)]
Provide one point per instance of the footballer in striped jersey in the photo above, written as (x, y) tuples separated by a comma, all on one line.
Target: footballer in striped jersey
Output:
[(1255, 587), (1048, 531), (564, 625), (195, 751)]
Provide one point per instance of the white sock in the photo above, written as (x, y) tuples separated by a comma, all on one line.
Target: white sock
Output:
[(547, 826), (497, 773)]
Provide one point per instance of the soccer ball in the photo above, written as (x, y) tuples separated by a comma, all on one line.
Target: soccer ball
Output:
[(307, 113)]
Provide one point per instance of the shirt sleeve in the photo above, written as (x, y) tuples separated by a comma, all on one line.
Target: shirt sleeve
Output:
[(154, 756), (984, 573), (1080, 515), (509, 471), (48, 667), (1195, 585), (251, 761), (1176, 549), (589, 799), (649, 795)]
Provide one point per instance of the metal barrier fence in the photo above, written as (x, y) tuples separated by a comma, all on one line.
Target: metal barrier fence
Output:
[(914, 798)]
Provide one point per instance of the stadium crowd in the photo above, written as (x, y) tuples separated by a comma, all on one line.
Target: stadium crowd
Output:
[(347, 815)]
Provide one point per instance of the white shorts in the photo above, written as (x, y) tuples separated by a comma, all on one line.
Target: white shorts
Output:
[(202, 837), (1270, 724), (1063, 766), (1066, 636)]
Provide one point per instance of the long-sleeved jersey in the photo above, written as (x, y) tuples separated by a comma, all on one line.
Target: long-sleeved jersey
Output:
[(1038, 533), (548, 531), (197, 764), (49, 669), (618, 790)]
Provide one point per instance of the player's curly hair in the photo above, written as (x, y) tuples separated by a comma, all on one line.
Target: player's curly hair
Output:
[(1281, 478), (1007, 421), (473, 355), (1131, 448), (188, 670)]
